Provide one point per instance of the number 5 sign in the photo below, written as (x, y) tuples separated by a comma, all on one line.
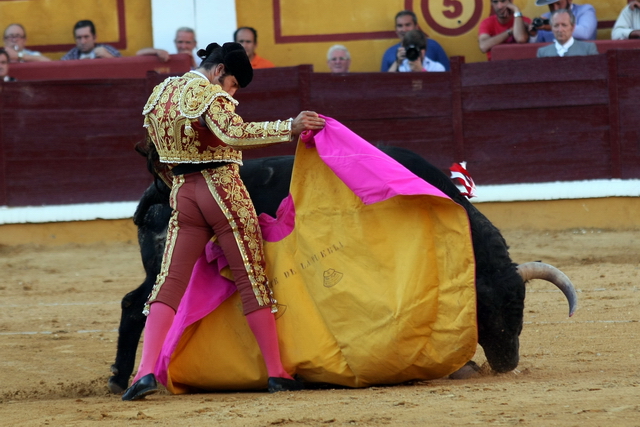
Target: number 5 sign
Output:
[(452, 17)]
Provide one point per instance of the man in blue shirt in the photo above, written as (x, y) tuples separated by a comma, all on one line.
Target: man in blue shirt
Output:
[(586, 21), (406, 21)]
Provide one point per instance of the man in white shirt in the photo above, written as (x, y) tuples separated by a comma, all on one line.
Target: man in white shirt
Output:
[(563, 24), (586, 22), (185, 42), (627, 25)]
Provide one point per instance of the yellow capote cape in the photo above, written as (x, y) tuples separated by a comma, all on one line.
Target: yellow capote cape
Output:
[(376, 293)]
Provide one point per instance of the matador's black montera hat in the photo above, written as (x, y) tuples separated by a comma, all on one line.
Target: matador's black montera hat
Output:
[(234, 58)]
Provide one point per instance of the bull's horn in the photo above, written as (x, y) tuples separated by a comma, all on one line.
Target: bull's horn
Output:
[(540, 270)]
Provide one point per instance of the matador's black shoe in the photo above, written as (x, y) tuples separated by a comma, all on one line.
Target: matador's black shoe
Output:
[(284, 384), (143, 387)]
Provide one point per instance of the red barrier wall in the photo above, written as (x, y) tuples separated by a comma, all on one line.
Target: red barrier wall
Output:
[(530, 50), (106, 68), (526, 121)]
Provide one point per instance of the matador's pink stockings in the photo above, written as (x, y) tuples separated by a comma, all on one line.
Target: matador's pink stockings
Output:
[(158, 323), (261, 322), (263, 326)]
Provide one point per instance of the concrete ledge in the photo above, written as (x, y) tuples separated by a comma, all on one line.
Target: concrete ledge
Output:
[(65, 213), (560, 190), (616, 213), (63, 233)]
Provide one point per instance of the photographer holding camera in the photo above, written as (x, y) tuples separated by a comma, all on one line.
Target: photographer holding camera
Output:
[(586, 24), (406, 21), (412, 55)]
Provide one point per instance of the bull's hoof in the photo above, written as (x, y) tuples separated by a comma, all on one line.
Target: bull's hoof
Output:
[(140, 389), (277, 384), (469, 370), (117, 385)]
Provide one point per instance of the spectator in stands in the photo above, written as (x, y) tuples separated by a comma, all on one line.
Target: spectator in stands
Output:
[(86, 47), (414, 44), (507, 25), (248, 38), (585, 15), (563, 24), (4, 66), (15, 39), (185, 42), (627, 25), (338, 59), (407, 21)]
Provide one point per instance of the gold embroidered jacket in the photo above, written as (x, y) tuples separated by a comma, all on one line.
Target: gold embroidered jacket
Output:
[(172, 116)]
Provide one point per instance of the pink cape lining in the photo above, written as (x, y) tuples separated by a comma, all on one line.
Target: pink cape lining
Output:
[(371, 174)]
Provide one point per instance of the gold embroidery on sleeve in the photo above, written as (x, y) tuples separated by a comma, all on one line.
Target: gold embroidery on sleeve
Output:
[(178, 102), (232, 130)]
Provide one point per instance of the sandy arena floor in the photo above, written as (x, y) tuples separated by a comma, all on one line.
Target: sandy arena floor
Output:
[(59, 310)]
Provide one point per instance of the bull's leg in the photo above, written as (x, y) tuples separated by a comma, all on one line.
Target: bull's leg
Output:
[(132, 323), (152, 224), (469, 370)]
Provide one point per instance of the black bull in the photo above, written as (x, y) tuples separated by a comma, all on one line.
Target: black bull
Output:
[(500, 283)]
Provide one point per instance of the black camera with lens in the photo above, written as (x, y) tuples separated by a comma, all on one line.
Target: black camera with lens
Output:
[(539, 22), (412, 52)]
